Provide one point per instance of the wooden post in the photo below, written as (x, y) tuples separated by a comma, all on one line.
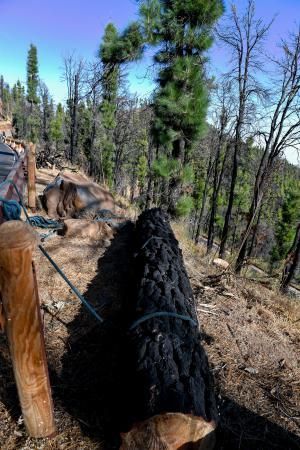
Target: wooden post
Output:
[(24, 327), (31, 177)]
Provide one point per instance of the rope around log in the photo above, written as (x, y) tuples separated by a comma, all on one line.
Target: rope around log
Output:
[(162, 314)]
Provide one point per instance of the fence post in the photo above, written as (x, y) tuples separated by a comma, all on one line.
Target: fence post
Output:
[(24, 327), (31, 177)]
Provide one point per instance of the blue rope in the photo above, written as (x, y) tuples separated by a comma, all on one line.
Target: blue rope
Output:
[(11, 209), (19, 195), (162, 314), (42, 222), (74, 289)]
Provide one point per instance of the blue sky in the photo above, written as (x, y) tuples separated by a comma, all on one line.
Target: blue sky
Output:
[(58, 27)]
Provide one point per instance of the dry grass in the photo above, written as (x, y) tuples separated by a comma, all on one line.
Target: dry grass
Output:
[(74, 342), (251, 335), (252, 339)]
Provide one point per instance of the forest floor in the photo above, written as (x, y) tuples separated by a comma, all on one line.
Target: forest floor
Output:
[(251, 335)]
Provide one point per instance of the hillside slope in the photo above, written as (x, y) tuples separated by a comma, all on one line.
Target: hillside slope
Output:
[(250, 333)]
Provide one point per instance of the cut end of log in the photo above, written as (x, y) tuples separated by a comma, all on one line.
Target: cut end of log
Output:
[(170, 431), (17, 235)]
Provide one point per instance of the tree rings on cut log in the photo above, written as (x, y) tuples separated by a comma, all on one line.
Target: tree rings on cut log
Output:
[(170, 431), (172, 402)]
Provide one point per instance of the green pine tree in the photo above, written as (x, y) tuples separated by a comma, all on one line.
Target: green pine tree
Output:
[(115, 50), (32, 93), (109, 52), (182, 31), (288, 217), (56, 127), (19, 116), (32, 75)]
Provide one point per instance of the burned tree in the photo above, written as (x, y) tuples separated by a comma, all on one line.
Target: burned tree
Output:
[(244, 36), (283, 131), (73, 75), (222, 144)]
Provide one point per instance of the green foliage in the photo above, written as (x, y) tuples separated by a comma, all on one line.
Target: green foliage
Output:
[(117, 49), (33, 126), (46, 114), (56, 125), (187, 174), (19, 115), (32, 75), (243, 191), (33, 123), (184, 206), (108, 109), (108, 149), (110, 45), (288, 217), (182, 32), (6, 100), (151, 20), (142, 170), (132, 42), (164, 167), (181, 103), (84, 128)]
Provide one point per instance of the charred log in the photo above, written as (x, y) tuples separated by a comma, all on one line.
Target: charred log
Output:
[(173, 401)]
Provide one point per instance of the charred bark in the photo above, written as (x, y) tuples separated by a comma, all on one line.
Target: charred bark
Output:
[(173, 389), (291, 262)]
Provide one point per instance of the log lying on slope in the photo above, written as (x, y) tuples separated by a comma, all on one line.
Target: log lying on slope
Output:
[(173, 402)]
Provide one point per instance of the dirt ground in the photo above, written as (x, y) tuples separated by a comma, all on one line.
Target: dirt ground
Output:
[(251, 335)]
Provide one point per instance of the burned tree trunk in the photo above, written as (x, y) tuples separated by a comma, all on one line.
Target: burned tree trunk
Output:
[(291, 262), (173, 404)]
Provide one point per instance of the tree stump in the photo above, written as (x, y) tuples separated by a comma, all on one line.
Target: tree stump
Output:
[(173, 401)]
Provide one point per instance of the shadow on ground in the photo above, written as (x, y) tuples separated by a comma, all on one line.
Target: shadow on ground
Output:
[(242, 429), (92, 383), (8, 390)]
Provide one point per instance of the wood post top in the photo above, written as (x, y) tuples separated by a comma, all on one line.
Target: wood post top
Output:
[(17, 235)]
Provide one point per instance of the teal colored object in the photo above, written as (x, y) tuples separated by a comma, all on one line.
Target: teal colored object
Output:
[(42, 222), (11, 209)]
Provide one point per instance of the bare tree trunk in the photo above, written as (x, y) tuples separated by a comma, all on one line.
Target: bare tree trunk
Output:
[(254, 233), (214, 199), (74, 121), (175, 185), (1, 87), (291, 262), (204, 197), (149, 192), (225, 230), (244, 36), (282, 133)]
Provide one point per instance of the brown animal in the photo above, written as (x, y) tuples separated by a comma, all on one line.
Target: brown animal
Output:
[(71, 193)]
